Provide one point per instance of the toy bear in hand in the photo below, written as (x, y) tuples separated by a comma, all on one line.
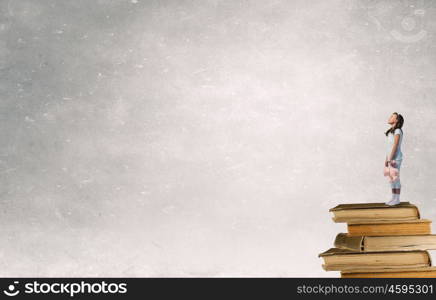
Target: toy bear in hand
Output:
[(391, 172)]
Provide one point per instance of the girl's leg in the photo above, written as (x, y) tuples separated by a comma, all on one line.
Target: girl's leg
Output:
[(396, 193), (396, 187), (393, 197)]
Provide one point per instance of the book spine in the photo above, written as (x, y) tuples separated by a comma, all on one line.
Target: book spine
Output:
[(417, 212), (354, 243), (429, 258)]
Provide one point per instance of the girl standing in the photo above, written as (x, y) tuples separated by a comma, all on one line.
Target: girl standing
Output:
[(394, 156)]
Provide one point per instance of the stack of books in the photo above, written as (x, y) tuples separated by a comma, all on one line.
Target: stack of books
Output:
[(382, 241)]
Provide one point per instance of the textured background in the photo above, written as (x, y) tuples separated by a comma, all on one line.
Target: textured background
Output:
[(204, 138)]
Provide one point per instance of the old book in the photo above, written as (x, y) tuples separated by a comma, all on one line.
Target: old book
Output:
[(380, 228), (425, 272), (385, 243), (336, 259), (363, 212)]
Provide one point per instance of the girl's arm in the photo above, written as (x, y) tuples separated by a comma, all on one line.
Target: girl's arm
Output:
[(395, 146)]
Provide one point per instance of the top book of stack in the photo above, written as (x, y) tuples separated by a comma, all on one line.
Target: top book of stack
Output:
[(374, 212)]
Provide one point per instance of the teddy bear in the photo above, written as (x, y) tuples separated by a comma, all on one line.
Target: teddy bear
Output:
[(391, 172)]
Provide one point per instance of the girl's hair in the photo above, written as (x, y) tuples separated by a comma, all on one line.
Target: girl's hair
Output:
[(399, 124)]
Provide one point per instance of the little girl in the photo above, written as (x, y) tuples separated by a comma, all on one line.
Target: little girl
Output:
[(394, 156)]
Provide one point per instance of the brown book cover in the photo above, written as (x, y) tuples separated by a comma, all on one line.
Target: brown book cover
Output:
[(381, 228), (385, 243), (424, 272), (379, 211), (336, 259), (347, 206)]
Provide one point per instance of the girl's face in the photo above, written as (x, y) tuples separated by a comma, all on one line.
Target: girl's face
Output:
[(393, 119)]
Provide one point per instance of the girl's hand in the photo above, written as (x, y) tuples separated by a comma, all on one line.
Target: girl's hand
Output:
[(393, 163), (386, 163)]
